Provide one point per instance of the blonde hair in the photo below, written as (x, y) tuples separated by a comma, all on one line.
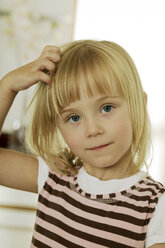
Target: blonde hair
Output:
[(105, 67)]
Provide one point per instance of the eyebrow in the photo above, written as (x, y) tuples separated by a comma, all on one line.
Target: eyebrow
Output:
[(65, 110)]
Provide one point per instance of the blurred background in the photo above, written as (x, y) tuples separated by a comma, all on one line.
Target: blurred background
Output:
[(26, 26)]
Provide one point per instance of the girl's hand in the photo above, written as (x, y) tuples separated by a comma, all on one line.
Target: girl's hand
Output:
[(38, 70)]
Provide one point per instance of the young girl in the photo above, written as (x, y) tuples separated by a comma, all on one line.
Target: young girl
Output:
[(89, 134)]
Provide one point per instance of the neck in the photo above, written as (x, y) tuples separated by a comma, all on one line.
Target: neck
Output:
[(118, 170)]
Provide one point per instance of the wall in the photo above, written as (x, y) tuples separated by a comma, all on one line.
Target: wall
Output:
[(138, 26)]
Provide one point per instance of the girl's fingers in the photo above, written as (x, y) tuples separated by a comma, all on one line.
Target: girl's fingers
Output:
[(48, 59), (41, 69), (51, 49), (48, 65), (41, 76), (54, 57), (52, 53)]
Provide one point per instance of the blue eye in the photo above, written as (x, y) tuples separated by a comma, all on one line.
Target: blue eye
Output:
[(106, 108), (74, 118)]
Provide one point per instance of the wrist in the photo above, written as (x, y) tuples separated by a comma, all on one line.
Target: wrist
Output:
[(6, 86)]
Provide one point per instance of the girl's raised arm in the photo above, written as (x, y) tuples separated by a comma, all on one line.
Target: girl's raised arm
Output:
[(19, 170)]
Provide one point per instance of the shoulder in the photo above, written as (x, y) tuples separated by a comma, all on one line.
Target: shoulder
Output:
[(155, 187), (45, 174)]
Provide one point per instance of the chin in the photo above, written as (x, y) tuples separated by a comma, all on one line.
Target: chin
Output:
[(107, 162), (104, 163)]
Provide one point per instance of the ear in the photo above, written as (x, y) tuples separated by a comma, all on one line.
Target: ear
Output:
[(145, 97)]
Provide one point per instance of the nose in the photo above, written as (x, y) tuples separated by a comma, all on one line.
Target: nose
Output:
[(93, 128)]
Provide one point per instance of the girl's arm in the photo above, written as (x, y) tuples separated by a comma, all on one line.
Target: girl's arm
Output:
[(19, 170)]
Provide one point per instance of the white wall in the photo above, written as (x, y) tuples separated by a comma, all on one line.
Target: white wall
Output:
[(16, 228), (138, 26)]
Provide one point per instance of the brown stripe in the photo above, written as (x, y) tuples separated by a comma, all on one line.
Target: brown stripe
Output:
[(155, 182), (88, 209), (144, 190), (53, 236), (39, 244), (59, 181), (146, 198), (150, 179), (152, 183), (89, 223), (77, 233), (87, 195)]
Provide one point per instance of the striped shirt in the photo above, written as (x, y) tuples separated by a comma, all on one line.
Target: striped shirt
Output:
[(69, 217)]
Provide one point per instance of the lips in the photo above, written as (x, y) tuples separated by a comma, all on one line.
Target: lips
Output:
[(98, 147)]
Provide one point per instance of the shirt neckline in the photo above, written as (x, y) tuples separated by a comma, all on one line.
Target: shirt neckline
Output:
[(95, 179), (107, 197)]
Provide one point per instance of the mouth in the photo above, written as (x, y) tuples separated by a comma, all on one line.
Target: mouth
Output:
[(96, 148)]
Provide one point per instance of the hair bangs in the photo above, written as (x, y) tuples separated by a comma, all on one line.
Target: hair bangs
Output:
[(86, 73)]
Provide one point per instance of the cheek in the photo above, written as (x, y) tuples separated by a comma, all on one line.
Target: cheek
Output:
[(123, 126), (72, 140), (123, 131), (72, 143)]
